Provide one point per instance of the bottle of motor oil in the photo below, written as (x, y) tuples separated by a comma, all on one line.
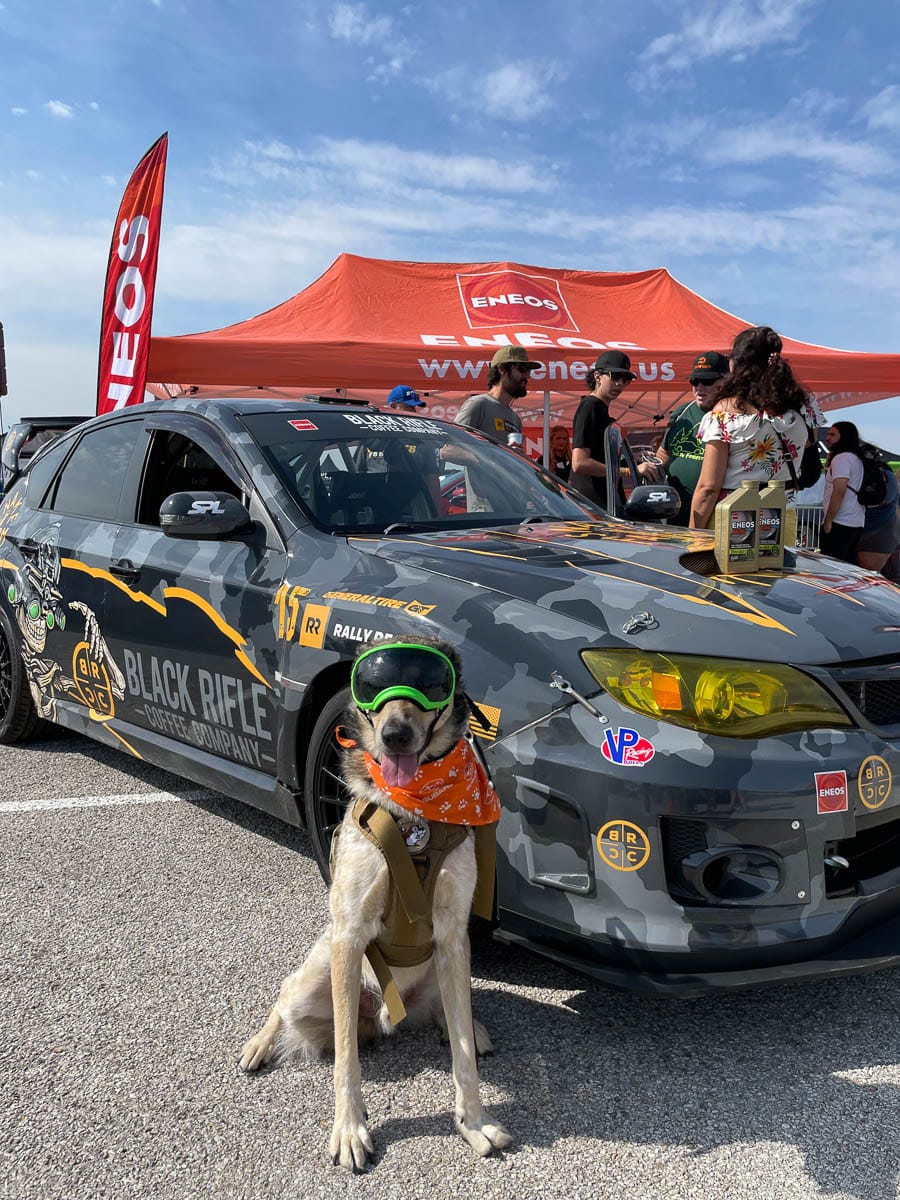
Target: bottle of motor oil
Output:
[(736, 526), (772, 532)]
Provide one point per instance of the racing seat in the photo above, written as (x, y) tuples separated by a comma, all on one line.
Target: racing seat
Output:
[(379, 499)]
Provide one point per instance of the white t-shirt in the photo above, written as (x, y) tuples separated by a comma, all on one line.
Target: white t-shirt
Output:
[(846, 466)]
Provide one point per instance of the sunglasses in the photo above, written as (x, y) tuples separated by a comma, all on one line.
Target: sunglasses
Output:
[(702, 382), (617, 377), (428, 674)]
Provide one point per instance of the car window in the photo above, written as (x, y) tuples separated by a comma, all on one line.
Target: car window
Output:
[(175, 463), (368, 471), (42, 471), (90, 483)]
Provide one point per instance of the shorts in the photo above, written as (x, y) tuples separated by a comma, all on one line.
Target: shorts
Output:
[(881, 533)]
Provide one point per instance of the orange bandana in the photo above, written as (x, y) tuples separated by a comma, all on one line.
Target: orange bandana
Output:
[(454, 789)]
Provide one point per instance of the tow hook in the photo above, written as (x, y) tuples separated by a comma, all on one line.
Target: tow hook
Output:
[(563, 685)]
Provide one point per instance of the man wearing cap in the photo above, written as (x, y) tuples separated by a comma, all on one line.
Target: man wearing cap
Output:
[(610, 374), (404, 397), (491, 413), (681, 451)]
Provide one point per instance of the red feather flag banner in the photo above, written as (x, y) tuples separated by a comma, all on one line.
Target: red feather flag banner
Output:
[(130, 281)]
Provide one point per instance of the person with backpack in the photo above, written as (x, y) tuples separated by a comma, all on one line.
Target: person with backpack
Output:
[(880, 537), (759, 427), (843, 516)]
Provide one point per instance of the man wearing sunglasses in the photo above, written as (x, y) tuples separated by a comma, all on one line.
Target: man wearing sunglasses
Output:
[(492, 412), (607, 379), (681, 452)]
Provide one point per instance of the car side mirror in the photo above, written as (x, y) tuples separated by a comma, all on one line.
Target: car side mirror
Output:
[(203, 515), (652, 502)]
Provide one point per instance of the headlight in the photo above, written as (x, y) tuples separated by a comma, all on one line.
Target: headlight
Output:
[(715, 695)]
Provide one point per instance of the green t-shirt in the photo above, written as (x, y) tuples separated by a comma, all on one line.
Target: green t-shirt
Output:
[(684, 447)]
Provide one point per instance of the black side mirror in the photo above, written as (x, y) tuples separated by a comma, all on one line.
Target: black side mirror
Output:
[(652, 502), (213, 515)]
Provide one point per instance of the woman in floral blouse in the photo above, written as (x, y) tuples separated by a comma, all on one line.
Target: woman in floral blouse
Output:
[(761, 422)]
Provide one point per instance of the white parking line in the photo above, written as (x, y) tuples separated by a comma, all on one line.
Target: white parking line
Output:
[(8, 806)]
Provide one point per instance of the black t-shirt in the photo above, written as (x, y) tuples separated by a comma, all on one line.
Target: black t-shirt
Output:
[(591, 422)]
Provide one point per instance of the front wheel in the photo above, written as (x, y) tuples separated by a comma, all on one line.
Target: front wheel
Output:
[(325, 798), (19, 720)]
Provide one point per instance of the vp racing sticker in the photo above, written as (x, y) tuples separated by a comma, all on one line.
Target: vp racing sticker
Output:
[(626, 747)]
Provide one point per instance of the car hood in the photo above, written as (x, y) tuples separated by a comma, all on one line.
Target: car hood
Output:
[(606, 575)]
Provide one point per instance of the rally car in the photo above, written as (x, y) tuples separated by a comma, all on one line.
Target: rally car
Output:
[(696, 770)]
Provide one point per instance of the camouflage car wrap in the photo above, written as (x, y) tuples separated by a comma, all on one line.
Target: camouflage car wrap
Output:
[(640, 851)]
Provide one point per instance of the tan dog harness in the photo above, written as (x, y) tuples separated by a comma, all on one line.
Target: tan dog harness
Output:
[(407, 939)]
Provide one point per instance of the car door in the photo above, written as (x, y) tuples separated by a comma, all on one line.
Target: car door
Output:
[(191, 619), (58, 595)]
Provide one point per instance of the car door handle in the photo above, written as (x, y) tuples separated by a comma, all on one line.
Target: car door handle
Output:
[(124, 569)]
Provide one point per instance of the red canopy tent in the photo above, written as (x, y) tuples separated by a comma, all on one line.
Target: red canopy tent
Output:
[(367, 324)]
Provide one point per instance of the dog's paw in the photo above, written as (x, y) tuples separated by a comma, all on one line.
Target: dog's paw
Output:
[(350, 1145), (483, 1135), (257, 1051), (483, 1043)]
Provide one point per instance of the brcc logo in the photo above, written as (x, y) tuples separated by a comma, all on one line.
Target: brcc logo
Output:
[(496, 298)]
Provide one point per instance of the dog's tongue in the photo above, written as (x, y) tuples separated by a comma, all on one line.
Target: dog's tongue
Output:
[(398, 769)]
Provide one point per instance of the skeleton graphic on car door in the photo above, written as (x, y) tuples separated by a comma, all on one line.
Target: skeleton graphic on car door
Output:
[(39, 609)]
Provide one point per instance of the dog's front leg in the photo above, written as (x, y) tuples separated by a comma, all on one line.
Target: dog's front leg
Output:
[(451, 960), (351, 1147)]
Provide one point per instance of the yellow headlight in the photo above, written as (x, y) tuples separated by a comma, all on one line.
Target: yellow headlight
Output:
[(716, 695)]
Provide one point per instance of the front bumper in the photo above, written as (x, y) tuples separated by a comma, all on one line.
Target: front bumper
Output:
[(715, 863)]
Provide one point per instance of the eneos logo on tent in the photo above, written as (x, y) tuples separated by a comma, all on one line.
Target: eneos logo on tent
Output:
[(497, 298)]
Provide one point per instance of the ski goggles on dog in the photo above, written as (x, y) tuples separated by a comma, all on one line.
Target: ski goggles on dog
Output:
[(429, 679)]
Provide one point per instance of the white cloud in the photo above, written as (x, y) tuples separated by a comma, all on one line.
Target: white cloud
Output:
[(883, 110), (734, 29), (515, 91), (94, 105), (18, 112), (56, 108), (353, 167), (352, 23)]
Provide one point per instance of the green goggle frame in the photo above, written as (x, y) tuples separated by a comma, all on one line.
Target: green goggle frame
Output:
[(368, 694)]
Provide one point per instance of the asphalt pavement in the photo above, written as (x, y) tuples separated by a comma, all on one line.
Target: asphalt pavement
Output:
[(146, 928)]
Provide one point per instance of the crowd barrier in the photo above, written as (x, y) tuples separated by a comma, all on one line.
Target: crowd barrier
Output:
[(809, 525)]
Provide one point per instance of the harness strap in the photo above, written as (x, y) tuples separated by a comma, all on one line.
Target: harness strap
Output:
[(389, 991), (486, 862), (381, 829)]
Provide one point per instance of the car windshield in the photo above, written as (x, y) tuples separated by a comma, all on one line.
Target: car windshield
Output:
[(363, 472)]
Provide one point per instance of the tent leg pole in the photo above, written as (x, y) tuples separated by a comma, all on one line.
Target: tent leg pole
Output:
[(547, 430)]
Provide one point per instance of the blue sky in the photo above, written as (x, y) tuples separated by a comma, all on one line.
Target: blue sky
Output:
[(749, 146)]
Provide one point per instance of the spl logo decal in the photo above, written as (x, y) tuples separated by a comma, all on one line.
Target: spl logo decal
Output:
[(626, 748), (92, 683), (497, 298), (313, 625), (623, 846), (874, 781), (831, 791)]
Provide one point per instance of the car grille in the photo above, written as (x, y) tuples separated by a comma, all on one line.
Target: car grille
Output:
[(873, 852), (877, 700)]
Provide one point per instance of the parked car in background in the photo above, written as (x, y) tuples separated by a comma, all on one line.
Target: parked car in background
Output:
[(25, 438), (696, 771)]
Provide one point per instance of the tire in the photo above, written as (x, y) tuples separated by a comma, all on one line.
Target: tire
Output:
[(19, 721), (325, 798)]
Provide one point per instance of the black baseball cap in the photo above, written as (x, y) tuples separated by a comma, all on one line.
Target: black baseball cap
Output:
[(614, 362), (708, 367)]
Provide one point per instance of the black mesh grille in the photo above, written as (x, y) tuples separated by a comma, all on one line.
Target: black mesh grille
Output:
[(877, 700), (679, 839)]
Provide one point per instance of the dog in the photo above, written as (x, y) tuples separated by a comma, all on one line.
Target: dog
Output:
[(404, 731)]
